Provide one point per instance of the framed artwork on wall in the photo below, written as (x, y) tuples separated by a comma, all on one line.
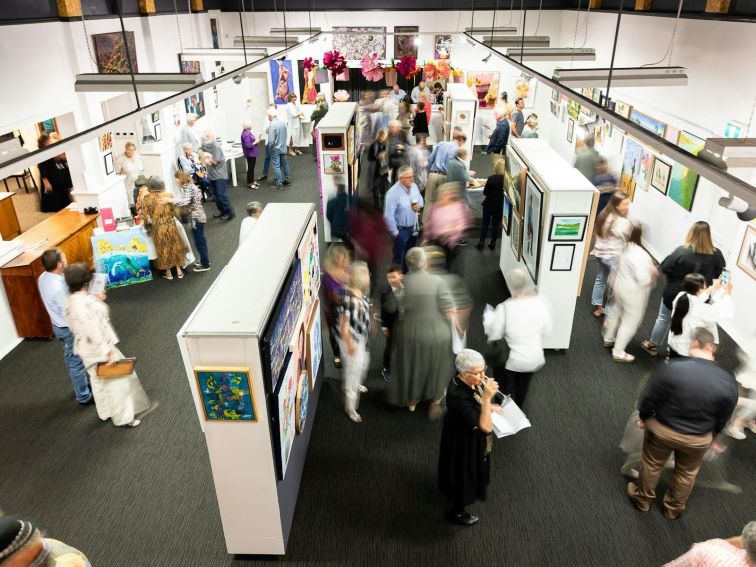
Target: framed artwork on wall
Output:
[(442, 46), (531, 229), (195, 104), (333, 164), (561, 257), (747, 255), (506, 214), (158, 132), (47, 126), (225, 393), (155, 116), (404, 41), (568, 228), (309, 256), (356, 42), (485, 86), (285, 407), (189, 67), (514, 179), (570, 130), (623, 109), (671, 134), (350, 144), (310, 88), (110, 52), (462, 118), (573, 109), (214, 33), (660, 176), (281, 80), (515, 234), (108, 158), (314, 344), (106, 141), (332, 142), (683, 182), (303, 398), (630, 165), (647, 123)]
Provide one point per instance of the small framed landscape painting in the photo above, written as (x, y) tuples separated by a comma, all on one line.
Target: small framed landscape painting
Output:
[(568, 228)]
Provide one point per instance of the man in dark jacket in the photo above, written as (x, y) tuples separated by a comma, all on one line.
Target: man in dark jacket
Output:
[(337, 212), (397, 148), (684, 406), (497, 144), (391, 299)]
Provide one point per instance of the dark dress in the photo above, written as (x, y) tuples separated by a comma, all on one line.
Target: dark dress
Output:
[(464, 461), (378, 173), (420, 124), (55, 170), (684, 261), (493, 207)]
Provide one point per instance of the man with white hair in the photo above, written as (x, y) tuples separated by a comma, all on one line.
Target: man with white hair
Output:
[(397, 145), (217, 174), (22, 545), (277, 147), (266, 127), (738, 551), (403, 202), (189, 133), (497, 144), (464, 459), (189, 161)]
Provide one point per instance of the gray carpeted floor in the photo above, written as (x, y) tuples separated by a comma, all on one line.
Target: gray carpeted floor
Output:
[(368, 496)]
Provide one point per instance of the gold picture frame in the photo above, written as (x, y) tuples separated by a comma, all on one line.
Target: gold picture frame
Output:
[(214, 384)]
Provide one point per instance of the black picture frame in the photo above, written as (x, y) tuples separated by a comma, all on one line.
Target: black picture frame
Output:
[(582, 232), (155, 116), (158, 132), (275, 420), (506, 217), (108, 159), (333, 142), (553, 255), (531, 187)]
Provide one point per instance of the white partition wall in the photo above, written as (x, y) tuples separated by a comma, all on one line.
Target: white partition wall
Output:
[(261, 312), (552, 246), (337, 159), (461, 113)]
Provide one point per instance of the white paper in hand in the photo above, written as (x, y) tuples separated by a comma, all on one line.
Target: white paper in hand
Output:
[(98, 283), (510, 420)]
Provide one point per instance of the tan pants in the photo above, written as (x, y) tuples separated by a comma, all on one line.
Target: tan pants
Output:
[(495, 158), (659, 442), (435, 180)]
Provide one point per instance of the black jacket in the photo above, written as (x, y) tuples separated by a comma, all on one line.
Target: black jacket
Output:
[(389, 308), (493, 193), (499, 138), (684, 261), (337, 213)]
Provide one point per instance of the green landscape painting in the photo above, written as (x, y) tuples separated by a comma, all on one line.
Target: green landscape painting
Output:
[(570, 228), (683, 181)]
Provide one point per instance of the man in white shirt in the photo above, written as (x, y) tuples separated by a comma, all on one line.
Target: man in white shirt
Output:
[(418, 90), (54, 291), (397, 94), (254, 210), (188, 132)]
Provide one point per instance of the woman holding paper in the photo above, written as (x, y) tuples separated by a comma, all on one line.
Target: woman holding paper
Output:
[(522, 321), (466, 441), (119, 399)]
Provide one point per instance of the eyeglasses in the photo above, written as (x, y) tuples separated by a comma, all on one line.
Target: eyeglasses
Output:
[(483, 372)]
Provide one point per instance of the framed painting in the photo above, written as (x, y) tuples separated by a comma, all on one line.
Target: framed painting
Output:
[(683, 182), (106, 141), (158, 132), (526, 88), (570, 130), (671, 134), (310, 88), (531, 229), (506, 216), (123, 256), (462, 118), (515, 234), (108, 158), (285, 408), (514, 179), (332, 142), (281, 326), (110, 52), (314, 344), (189, 67), (573, 109), (225, 393), (561, 257), (485, 86), (623, 109), (350, 144), (281, 80), (630, 165), (309, 256), (195, 104), (155, 116), (303, 398), (333, 164), (596, 95), (647, 123), (442, 46), (214, 33), (568, 228), (47, 126), (660, 176), (747, 255), (404, 41), (356, 42)]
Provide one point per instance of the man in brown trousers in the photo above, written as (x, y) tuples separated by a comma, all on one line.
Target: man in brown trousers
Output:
[(684, 406)]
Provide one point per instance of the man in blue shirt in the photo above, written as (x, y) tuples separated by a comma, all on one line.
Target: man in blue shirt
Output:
[(497, 144), (277, 138), (397, 94), (403, 202), (54, 292), (438, 163)]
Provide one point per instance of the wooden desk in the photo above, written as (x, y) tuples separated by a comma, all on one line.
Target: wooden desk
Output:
[(9, 227), (69, 230)]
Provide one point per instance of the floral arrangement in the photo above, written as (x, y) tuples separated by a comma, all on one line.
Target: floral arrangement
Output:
[(341, 95), (429, 71), (307, 64), (457, 72), (371, 68), (336, 165), (334, 62), (443, 69), (407, 66)]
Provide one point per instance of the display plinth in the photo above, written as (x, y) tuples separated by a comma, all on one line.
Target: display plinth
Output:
[(556, 252), (246, 319), (109, 192)]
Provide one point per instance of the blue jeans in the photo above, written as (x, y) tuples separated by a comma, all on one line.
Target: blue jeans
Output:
[(220, 192), (661, 327), (198, 231), (603, 267), (266, 163), (402, 241), (76, 370), (280, 162)]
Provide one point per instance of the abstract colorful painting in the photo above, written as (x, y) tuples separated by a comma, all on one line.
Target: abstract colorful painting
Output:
[(683, 181), (630, 165), (573, 109), (303, 398), (281, 80), (485, 86), (442, 46), (356, 42), (647, 123), (404, 41), (643, 177), (309, 256), (333, 164), (314, 344), (110, 52), (195, 104), (122, 255), (190, 67), (286, 396), (310, 88), (747, 255), (531, 233), (226, 394), (280, 331)]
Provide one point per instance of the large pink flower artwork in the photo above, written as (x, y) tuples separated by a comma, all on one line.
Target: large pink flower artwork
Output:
[(371, 68)]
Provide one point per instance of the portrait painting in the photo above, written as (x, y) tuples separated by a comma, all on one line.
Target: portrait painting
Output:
[(281, 80)]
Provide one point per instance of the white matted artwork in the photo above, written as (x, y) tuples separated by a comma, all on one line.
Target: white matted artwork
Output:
[(333, 164), (314, 345), (287, 406), (747, 255), (525, 87), (561, 257), (531, 233), (356, 42)]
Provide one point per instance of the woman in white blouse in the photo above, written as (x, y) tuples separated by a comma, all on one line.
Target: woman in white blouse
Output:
[(690, 310), (631, 279), (294, 124), (522, 321), (131, 165), (119, 399)]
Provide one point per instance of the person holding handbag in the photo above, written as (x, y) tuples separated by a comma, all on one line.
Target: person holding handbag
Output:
[(120, 399), (192, 200), (522, 321)]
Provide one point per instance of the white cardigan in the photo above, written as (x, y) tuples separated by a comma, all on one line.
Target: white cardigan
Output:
[(700, 314)]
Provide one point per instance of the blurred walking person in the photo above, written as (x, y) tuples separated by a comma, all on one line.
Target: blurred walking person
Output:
[(612, 231), (447, 222), (378, 168), (493, 205), (336, 267)]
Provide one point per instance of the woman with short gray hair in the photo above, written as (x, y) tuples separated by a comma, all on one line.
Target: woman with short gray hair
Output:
[(521, 322), (251, 149), (422, 360), (466, 441)]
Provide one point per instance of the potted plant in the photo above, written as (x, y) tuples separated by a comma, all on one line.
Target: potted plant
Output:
[(389, 73)]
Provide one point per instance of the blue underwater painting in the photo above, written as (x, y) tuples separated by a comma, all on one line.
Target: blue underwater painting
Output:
[(225, 394), (122, 256)]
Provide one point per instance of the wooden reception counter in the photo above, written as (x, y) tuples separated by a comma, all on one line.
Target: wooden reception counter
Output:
[(69, 230)]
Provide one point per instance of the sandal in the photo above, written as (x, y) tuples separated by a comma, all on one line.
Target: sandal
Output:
[(624, 357), (598, 311), (650, 348), (181, 275), (168, 276), (608, 343), (133, 423)]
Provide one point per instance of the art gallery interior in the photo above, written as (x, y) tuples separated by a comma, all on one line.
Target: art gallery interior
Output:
[(275, 470)]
